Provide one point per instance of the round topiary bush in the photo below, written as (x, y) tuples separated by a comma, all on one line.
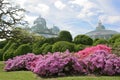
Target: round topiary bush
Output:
[(10, 51), (83, 39), (100, 41), (23, 49), (65, 36), (63, 46)]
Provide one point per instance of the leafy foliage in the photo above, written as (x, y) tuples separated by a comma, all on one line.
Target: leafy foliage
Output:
[(100, 41), (46, 48), (9, 53), (79, 47), (65, 36), (3, 43), (37, 46), (23, 49), (83, 39), (113, 38), (62, 46)]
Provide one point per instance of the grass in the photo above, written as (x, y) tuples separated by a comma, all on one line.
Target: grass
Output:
[(27, 75)]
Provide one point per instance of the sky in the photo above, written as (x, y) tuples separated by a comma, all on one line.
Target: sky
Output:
[(76, 16)]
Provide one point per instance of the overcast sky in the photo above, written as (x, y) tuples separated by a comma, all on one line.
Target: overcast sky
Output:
[(76, 16)]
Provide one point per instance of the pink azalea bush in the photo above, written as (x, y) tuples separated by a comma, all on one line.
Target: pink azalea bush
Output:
[(101, 62), (19, 62), (90, 50), (57, 64)]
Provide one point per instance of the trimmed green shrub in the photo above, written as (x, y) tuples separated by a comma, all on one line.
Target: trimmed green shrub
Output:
[(7, 46), (3, 43), (46, 48), (100, 41), (83, 39), (62, 46), (52, 40), (117, 40), (1, 54), (116, 48), (36, 46), (113, 38), (23, 49), (65, 36), (116, 45), (95, 40), (79, 47), (9, 53)]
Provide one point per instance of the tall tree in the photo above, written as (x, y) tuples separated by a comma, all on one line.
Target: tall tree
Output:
[(10, 15)]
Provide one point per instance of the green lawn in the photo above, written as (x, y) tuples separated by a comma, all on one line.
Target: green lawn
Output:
[(27, 75)]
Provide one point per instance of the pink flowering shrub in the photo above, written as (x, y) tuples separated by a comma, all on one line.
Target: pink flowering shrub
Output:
[(58, 64), (90, 50), (101, 62), (19, 62)]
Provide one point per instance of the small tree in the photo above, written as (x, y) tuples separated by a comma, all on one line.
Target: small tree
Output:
[(83, 39), (65, 36)]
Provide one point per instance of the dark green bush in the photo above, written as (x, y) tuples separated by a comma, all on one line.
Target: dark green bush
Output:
[(63, 46), (7, 46), (100, 41), (36, 46), (79, 47), (9, 53), (65, 36), (113, 38), (83, 39), (3, 43), (116, 48), (52, 40), (117, 40), (1, 54), (46, 48), (23, 49), (116, 45)]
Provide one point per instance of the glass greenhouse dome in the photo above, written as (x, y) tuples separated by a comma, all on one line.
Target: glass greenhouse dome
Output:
[(101, 32)]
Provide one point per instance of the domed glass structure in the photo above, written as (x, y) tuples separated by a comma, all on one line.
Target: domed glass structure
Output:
[(101, 32)]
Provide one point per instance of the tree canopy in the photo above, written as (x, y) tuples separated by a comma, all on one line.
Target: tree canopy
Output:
[(10, 15)]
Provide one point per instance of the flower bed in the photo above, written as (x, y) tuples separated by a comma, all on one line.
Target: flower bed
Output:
[(99, 61)]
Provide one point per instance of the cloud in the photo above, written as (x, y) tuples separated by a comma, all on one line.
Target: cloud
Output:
[(59, 5), (110, 19), (88, 8), (43, 9)]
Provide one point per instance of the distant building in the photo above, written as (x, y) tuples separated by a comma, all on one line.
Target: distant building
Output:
[(101, 32), (40, 28)]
